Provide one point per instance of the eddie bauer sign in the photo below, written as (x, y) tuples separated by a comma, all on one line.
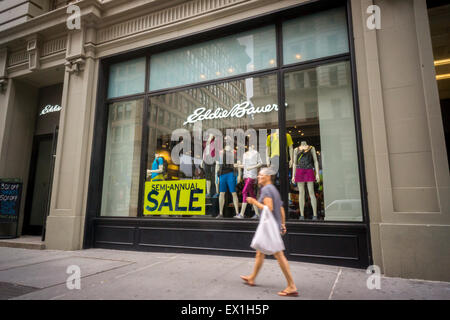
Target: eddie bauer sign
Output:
[(238, 111), (49, 108)]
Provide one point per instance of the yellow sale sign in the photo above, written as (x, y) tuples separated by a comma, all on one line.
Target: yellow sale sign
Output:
[(180, 197)]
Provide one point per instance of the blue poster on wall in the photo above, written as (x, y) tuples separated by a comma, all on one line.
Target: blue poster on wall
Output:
[(10, 194)]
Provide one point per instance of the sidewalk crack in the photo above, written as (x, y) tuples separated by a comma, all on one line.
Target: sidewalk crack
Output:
[(335, 283), (145, 267)]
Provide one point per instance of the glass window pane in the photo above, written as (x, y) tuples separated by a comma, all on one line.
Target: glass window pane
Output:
[(321, 122), (122, 160), (229, 56), (127, 78), (315, 36), (208, 163)]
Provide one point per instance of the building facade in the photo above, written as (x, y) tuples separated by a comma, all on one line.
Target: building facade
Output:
[(139, 129)]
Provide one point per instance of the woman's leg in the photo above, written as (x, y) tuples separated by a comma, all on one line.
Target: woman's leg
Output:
[(253, 195), (244, 198), (258, 264), (221, 203), (301, 198), (312, 196), (282, 261), (236, 203)]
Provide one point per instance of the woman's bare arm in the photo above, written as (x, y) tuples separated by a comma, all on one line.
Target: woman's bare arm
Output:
[(266, 202), (283, 221), (269, 203)]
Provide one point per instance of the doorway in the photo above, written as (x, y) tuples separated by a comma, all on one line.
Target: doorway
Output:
[(39, 184)]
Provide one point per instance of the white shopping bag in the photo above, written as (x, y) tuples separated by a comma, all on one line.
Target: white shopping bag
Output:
[(267, 238)]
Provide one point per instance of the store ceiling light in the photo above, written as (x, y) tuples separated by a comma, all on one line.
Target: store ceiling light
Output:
[(443, 76), (441, 62), (272, 61), (298, 56)]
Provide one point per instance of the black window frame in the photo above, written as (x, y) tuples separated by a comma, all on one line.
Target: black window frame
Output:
[(274, 18)]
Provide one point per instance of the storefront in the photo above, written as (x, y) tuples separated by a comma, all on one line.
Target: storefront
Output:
[(168, 109), (182, 127)]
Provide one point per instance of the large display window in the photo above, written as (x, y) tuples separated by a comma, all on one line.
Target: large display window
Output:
[(122, 159), (214, 113), (324, 176), (220, 151)]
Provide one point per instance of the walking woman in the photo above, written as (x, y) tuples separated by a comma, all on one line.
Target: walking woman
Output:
[(270, 197)]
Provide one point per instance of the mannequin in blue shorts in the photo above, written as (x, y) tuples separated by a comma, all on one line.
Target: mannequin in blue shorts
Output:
[(227, 179)]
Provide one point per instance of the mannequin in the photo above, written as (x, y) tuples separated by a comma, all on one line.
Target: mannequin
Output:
[(157, 171), (305, 170), (251, 162), (196, 172), (227, 180), (273, 149), (209, 153), (186, 166)]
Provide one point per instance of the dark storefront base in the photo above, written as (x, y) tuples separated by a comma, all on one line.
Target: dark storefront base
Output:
[(327, 243)]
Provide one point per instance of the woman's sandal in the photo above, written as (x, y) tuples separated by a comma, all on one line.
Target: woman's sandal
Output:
[(247, 282), (288, 294)]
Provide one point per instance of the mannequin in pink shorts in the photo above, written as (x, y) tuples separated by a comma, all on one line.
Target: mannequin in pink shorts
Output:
[(251, 162), (305, 170)]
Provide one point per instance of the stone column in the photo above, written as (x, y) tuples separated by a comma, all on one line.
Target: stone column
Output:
[(65, 223), (406, 167), (3, 72)]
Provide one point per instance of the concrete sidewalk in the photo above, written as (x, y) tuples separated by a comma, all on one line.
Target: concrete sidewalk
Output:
[(112, 274)]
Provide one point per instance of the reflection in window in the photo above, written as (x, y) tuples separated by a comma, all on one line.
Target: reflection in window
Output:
[(229, 56), (122, 159), (299, 80), (315, 36), (325, 179), (312, 77), (258, 91), (119, 112), (127, 78)]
